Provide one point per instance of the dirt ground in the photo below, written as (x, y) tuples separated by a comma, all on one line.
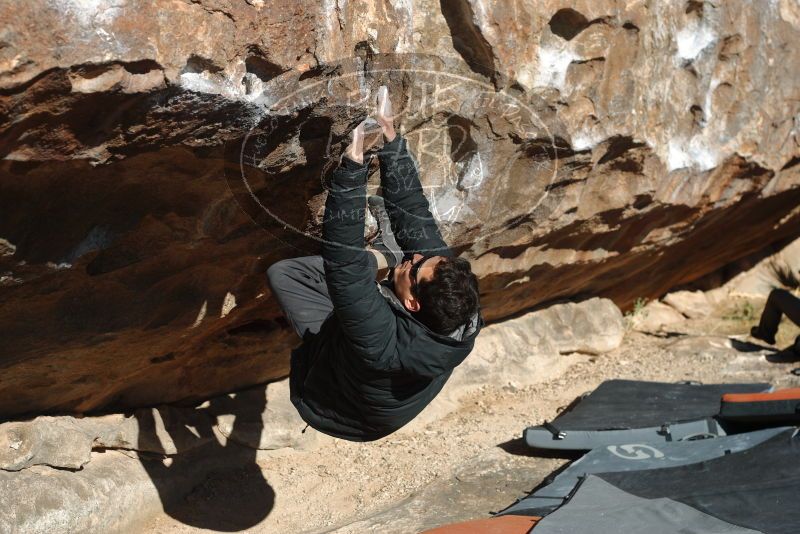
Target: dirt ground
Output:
[(472, 462)]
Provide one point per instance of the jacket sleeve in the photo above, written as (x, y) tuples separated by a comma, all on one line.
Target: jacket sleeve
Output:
[(364, 315), (413, 225)]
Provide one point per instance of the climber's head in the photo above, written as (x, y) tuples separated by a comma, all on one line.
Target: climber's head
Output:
[(441, 291)]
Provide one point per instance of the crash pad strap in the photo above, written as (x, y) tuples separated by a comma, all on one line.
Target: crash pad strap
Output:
[(557, 434)]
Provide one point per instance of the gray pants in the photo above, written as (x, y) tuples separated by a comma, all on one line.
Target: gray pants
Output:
[(300, 288)]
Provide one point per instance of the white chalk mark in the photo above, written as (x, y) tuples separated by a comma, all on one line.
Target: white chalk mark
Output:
[(474, 175), (553, 65), (201, 315), (692, 153), (693, 39), (228, 304)]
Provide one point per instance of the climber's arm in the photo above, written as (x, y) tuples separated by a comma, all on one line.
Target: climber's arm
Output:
[(365, 316), (414, 227)]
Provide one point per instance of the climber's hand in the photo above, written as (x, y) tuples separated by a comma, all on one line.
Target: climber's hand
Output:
[(383, 113)]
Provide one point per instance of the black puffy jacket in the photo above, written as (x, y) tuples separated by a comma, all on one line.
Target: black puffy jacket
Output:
[(373, 366)]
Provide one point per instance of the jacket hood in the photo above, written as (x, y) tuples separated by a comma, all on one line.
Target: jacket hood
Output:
[(425, 352)]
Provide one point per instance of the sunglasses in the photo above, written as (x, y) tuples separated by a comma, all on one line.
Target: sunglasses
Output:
[(415, 268)]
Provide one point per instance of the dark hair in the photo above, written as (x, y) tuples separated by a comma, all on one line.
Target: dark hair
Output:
[(450, 298)]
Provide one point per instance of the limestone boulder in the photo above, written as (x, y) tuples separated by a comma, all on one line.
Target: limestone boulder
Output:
[(99, 498), (46, 441), (117, 491), (159, 156), (655, 316), (67, 442), (592, 326), (692, 304)]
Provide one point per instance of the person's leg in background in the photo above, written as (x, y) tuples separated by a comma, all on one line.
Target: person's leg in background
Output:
[(299, 287), (779, 303)]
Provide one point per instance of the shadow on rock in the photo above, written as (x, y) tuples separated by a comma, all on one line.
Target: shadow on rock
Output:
[(787, 355), (203, 479), (666, 334), (747, 346), (518, 447)]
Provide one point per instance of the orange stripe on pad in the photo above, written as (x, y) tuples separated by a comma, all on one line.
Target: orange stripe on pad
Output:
[(781, 394), (504, 524)]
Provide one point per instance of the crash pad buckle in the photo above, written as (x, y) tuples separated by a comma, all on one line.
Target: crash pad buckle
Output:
[(557, 434)]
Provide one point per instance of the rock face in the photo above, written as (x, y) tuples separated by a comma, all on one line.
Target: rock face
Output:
[(159, 156)]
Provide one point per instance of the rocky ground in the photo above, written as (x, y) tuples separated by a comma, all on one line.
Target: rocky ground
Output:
[(472, 461)]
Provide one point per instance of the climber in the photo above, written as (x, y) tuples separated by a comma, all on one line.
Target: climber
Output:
[(780, 302), (376, 350)]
